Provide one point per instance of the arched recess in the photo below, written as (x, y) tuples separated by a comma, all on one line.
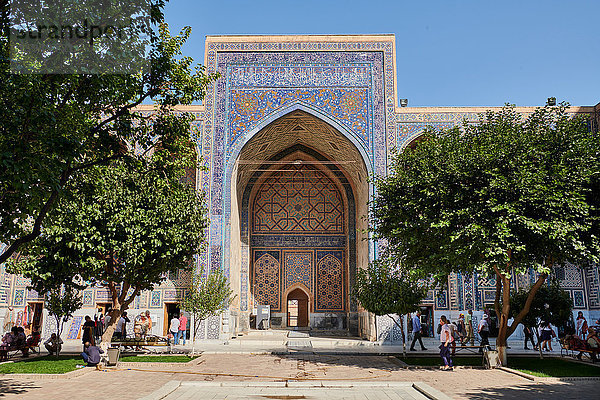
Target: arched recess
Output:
[(303, 132)]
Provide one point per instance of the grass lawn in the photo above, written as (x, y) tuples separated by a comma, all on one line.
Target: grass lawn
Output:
[(437, 361), (552, 367), (164, 359), (42, 365)]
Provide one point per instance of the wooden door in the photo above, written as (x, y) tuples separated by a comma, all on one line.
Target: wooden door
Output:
[(297, 308)]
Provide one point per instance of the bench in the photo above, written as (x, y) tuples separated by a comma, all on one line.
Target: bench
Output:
[(7, 352), (138, 343), (570, 345)]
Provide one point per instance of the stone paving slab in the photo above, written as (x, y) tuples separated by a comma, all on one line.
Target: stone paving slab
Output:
[(124, 384), (266, 390)]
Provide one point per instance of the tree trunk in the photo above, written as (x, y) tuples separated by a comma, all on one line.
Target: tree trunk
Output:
[(502, 312), (401, 326), (537, 336)]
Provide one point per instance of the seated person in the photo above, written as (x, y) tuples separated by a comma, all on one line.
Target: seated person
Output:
[(53, 344), (10, 338), (91, 355), (594, 343), (32, 341), (21, 338)]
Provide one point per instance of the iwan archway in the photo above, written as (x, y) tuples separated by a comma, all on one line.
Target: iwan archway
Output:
[(301, 190)]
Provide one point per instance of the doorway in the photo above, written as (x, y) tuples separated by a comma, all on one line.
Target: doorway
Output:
[(297, 306), (171, 309), (36, 315)]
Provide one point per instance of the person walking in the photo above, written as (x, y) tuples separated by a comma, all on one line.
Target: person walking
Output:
[(416, 330), (547, 333), (461, 328), (528, 332), (484, 331), (174, 329), (454, 333), (446, 339), (469, 328), (182, 328)]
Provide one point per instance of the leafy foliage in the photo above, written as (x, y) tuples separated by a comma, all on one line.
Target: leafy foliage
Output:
[(550, 304), (208, 295), (507, 194), (61, 303), (382, 289), (55, 126), (124, 227)]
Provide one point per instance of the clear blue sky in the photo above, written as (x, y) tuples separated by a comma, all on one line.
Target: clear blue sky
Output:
[(449, 52)]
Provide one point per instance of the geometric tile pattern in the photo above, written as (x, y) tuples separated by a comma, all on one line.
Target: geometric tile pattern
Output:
[(569, 276), (250, 106), (267, 286), (298, 199), (330, 280), (298, 268), (593, 289)]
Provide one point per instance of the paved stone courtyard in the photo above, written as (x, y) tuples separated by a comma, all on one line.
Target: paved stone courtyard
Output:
[(141, 380)]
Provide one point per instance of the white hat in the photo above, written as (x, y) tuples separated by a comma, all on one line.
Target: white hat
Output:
[(485, 316)]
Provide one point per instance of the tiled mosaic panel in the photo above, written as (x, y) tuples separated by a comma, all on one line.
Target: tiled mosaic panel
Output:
[(248, 107), (593, 289), (19, 297), (330, 280), (569, 276), (298, 268), (88, 297), (267, 285), (578, 298), (298, 199)]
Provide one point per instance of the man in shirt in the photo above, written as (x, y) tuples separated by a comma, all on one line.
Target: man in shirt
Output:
[(416, 330), (121, 329), (53, 344), (469, 328), (91, 355), (174, 327), (182, 328)]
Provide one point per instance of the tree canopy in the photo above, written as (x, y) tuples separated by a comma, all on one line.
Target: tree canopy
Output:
[(57, 125), (123, 226), (504, 195), (208, 295)]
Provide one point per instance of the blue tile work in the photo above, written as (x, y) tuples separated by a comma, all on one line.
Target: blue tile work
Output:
[(351, 83)]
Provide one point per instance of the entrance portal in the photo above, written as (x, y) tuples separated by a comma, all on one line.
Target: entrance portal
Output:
[(297, 306), (300, 186)]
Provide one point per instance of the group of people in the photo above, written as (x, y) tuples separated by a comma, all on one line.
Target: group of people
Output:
[(17, 339), (583, 338), (177, 329)]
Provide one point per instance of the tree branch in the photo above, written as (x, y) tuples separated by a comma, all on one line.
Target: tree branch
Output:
[(37, 225), (540, 281)]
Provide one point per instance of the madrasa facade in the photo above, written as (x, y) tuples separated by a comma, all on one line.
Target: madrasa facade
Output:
[(290, 134)]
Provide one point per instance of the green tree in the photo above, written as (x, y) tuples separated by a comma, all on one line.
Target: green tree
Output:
[(502, 196), (208, 295), (124, 227), (55, 126), (384, 289), (61, 302), (550, 304)]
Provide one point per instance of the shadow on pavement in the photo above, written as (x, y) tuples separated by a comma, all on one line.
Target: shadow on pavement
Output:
[(11, 386), (366, 361), (539, 390)]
